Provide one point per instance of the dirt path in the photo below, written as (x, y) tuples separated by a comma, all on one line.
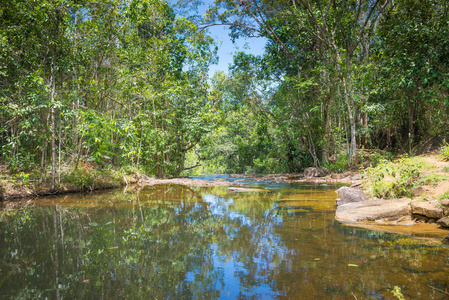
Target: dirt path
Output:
[(440, 168)]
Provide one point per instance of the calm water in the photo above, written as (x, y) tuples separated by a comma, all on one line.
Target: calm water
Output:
[(174, 242)]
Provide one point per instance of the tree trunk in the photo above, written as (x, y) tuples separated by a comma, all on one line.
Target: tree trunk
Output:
[(53, 127), (52, 97)]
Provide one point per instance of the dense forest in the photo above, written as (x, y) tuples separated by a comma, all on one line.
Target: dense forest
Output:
[(125, 84)]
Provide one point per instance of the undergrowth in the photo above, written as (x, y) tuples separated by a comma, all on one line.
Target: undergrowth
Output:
[(445, 196), (395, 179), (444, 152)]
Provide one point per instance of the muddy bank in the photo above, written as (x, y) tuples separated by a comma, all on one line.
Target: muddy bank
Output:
[(189, 182), (15, 190), (11, 190)]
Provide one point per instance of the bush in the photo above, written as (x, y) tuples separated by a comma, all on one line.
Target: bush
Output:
[(393, 179), (80, 178), (374, 156), (340, 165), (444, 152)]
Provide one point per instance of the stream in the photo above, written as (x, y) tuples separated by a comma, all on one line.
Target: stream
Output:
[(178, 242)]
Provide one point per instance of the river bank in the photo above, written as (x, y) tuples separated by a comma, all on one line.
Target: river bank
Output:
[(354, 206), (421, 208), (88, 179)]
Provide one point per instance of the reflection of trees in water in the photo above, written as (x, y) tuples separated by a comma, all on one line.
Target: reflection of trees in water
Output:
[(146, 250), (168, 242), (74, 255)]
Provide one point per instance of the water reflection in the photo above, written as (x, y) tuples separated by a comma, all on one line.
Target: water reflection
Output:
[(181, 243)]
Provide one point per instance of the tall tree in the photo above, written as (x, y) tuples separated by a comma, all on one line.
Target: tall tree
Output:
[(339, 33)]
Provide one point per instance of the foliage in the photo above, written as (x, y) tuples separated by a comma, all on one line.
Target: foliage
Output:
[(125, 83), (444, 152), (374, 157), (98, 82), (340, 165), (394, 179), (445, 196)]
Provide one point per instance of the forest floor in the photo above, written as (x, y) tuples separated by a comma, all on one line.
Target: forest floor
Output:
[(438, 168)]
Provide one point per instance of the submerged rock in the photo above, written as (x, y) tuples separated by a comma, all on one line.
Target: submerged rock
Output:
[(236, 189), (375, 210), (350, 195)]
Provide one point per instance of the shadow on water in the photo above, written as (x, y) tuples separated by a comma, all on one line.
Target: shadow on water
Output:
[(179, 242)]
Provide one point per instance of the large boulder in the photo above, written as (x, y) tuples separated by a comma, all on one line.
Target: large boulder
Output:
[(350, 195), (427, 209), (315, 172), (375, 210)]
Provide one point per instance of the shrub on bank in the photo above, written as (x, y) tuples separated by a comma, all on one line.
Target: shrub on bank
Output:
[(444, 152), (394, 179)]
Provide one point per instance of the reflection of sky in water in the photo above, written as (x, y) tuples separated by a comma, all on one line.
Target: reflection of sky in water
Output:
[(269, 251), (221, 207), (173, 242)]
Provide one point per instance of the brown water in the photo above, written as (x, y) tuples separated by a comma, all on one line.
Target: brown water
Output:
[(174, 242)]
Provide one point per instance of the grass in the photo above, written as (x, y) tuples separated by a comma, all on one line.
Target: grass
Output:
[(431, 179), (445, 196)]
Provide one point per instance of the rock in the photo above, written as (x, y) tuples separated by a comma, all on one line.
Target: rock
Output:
[(444, 222), (239, 190), (350, 195), (374, 209), (357, 183), (417, 191), (295, 177), (315, 172), (338, 176), (427, 209), (421, 218), (445, 205), (356, 177), (446, 239)]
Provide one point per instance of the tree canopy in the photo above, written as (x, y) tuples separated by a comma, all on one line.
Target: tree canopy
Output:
[(125, 84)]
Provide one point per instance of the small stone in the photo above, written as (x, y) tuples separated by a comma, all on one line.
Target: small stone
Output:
[(417, 191), (443, 222), (421, 218)]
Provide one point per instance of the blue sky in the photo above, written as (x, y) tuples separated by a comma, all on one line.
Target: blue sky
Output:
[(226, 48)]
